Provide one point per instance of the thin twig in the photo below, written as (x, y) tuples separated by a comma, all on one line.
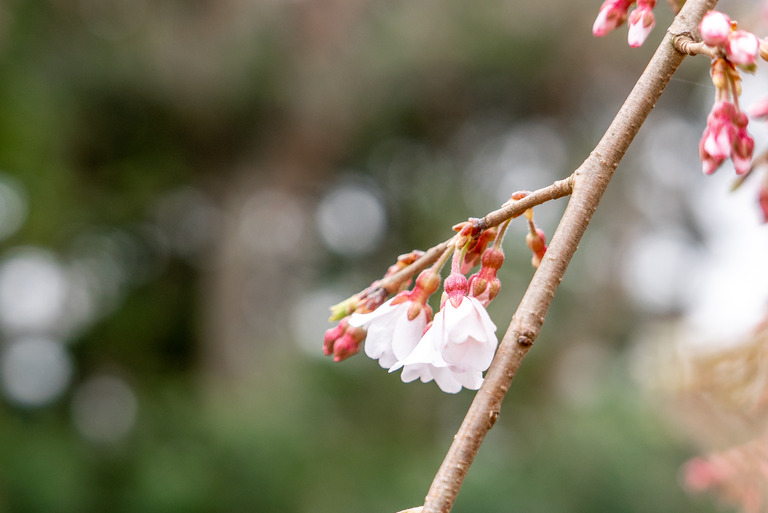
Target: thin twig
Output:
[(684, 43), (511, 209), (590, 182)]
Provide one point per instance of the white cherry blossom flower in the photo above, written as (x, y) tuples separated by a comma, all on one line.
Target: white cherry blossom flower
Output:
[(455, 350), (391, 334)]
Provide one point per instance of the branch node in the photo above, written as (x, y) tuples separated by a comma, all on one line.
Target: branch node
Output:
[(686, 44), (525, 341), (493, 415)]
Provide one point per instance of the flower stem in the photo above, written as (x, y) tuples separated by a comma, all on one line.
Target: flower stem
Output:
[(500, 235)]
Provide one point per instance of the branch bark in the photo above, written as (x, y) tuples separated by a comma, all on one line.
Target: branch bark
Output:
[(590, 182)]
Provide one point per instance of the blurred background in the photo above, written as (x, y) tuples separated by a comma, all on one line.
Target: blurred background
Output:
[(186, 186)]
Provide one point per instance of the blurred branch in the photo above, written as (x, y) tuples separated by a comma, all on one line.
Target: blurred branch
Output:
[(590, 182)]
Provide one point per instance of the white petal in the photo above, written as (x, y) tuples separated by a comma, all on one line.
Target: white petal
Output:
[(359, 320), (472, 343), (446, 380), (417, 371), (466, 321), (483, 313), (407, 334), (378, 341), (425, 351), (381, 325), (470, 379)]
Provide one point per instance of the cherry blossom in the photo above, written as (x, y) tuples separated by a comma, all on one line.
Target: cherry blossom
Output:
[(612, 14), (458, 347), (394, 328), (391, 335), (726, 136), (641, 22), (742, 48), (715, 28)]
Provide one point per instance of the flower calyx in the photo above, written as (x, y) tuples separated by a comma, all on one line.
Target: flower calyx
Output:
[(476, 246)]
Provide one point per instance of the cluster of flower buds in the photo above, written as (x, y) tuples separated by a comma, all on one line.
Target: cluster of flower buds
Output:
[(343, 341), (726, 135), (456, 345), (740, 47), (614, 13)]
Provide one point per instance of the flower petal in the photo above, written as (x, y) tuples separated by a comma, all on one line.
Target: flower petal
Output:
[(406, 334), (446, 380)]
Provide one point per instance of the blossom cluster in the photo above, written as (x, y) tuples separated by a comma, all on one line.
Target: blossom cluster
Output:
[(614, 13), (726, 135), (453, 347), (732, 51)]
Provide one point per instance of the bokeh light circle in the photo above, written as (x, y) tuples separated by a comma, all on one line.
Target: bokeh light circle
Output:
[(35, 371), (104, 409), (352, 219)]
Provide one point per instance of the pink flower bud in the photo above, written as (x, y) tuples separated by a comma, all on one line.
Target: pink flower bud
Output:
[(456, 287), (346, 346), (612, 14), (743, 146), (742, 48), (709, 163), (641, 22), (332, 335), (343, 341), (717, 140), (715, 28), (537, 243), (700, 475)]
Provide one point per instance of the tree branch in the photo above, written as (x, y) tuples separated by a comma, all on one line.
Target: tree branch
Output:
[(590, 181)]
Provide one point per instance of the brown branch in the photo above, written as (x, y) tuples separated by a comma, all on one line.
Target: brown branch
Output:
[(590, 182), (512, 209)]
